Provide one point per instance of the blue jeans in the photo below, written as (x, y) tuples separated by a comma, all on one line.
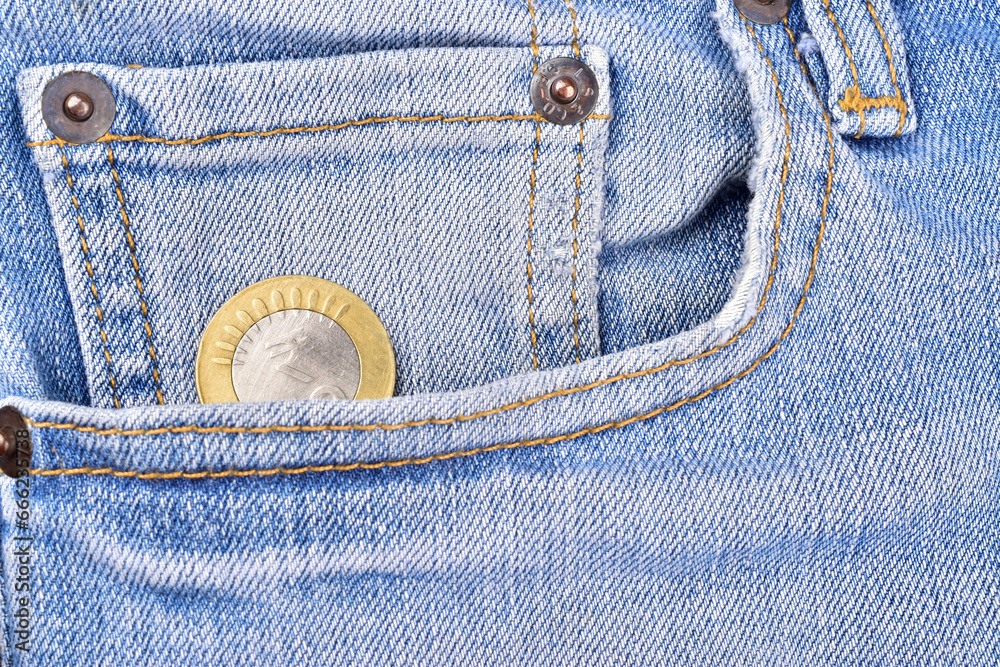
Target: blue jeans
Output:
[(708, 378)]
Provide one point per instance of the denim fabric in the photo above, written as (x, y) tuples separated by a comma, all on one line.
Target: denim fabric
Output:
[(367, 184), (865, 55), (780, 446)]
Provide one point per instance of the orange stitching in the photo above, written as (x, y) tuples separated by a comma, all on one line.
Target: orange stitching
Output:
[(531, 230), (854, 101), (534, 37), (537, 441), (109, 138), (576, 33), (138, 279), (855, 90), (93, 280), (892, 70), (576, 216), (531, 197), (829, 139), (802, 62), (576, 206), (439, 421)]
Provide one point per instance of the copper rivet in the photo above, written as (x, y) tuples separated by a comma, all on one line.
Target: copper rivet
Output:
[(563, 90), (15, 443), (78, 106)]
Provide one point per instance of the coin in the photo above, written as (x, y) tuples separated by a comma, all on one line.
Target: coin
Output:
[(294, 337), (295, 354)]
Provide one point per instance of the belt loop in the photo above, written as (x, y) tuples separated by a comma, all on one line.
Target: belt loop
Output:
[(862, 47)]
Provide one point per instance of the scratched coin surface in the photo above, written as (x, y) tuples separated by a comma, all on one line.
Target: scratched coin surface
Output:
[(294, 337), (295, 354)]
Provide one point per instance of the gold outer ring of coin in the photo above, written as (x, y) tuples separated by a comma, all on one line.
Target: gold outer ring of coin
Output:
[(214, 371)]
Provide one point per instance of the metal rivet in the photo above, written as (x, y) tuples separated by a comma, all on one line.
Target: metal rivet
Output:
[(15, 443), (78, 107), (564, 90), (764, 12)]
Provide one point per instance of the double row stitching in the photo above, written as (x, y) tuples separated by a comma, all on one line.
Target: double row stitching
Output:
[(154, 362), (92, 279), (553, 439), (900, 102), (373, 120), (853, 93)]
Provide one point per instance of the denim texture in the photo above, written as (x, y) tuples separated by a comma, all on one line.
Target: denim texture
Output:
[(865, 57), (780, 449), (362, 187)]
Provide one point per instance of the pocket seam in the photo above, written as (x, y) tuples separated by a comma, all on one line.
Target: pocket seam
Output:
[(549, 440), (371, 120), (140, 290), (88, 267)]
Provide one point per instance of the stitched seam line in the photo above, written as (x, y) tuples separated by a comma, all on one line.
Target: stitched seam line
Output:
[(531, 198), (447, 421), (531, 231), (855, 90), (576, 202), (805, 70), (374, 120), (892, 69), (141, 292), (576, 217), (91, 279), (534, 36), (826, 121), (537, 441), (576, 32)]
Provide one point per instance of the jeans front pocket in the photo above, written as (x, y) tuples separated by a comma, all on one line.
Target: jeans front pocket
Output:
[(551, 515)]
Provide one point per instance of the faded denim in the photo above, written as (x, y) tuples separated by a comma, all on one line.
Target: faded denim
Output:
[(743, 411)]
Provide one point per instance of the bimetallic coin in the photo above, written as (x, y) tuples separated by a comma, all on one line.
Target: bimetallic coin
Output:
[(294, 337)]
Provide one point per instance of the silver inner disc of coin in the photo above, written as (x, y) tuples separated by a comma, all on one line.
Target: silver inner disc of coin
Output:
[(296, 354)]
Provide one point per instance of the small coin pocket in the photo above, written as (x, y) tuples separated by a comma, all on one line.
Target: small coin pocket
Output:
[(466, 222)]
